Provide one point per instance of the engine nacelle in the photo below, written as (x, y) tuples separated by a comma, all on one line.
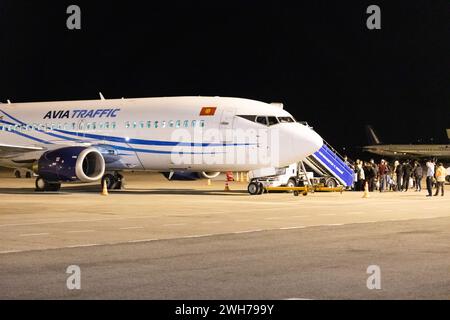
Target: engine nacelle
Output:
[(70, 164), (210, 175)]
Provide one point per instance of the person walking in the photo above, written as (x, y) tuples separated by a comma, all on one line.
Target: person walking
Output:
[(399, 175), (406, 175), (418, 174), (382, 171), (441, 173), (360, 176), (430, 177)]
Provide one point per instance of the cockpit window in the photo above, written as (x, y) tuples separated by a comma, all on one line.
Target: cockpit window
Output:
[(272, 120), (261, 120), (264, 120), (286, 119)]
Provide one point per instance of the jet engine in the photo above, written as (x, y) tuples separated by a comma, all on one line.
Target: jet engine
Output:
[(72, 164)]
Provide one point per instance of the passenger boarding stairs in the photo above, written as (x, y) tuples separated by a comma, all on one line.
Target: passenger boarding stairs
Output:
[(328, 162)]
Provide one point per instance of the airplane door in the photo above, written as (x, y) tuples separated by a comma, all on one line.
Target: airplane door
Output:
[(227, 124), (227, 119)]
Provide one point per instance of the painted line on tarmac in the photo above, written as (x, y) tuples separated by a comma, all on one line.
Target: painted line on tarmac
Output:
[(80, 231), (83, 245), (174, 225), (205, 235), (33, 234), (131, 228), (211, 222)]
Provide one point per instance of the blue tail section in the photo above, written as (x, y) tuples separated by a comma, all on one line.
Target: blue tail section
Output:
[(334, 165)]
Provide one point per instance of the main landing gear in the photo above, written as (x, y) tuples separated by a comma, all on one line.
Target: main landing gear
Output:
[(113, 181), (44, 185)]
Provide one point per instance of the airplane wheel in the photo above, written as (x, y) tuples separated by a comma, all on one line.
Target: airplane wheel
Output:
[(111, 181), (43, 185), (17, 174), (120, 182), (28, 175), (253, 188)]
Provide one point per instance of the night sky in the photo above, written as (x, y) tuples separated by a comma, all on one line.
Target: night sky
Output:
[(317, 57)]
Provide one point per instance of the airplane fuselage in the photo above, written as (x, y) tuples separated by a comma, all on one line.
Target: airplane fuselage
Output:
[(173, 133)]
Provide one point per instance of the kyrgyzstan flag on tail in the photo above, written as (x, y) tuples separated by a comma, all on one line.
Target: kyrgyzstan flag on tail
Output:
[(208, 111)]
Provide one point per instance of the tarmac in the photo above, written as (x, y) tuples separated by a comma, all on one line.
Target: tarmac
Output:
[(160, 239)]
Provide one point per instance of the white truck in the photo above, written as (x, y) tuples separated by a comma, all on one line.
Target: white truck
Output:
[(291, 176)]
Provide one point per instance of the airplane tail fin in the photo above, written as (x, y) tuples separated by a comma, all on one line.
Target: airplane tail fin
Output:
[(373, 138)]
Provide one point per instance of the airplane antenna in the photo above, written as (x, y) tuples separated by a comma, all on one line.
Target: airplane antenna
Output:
[(101, 96), (9, 101)]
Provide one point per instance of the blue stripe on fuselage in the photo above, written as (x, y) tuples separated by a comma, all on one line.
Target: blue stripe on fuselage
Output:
[(131, 140)]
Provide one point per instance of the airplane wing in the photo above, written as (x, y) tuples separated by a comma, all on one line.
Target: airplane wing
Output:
[(9, 150)]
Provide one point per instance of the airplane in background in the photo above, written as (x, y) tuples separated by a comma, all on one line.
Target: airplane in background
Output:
[(89, 141), (416, 151)]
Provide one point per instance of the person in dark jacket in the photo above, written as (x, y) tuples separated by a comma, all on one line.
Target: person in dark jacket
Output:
[(407, 169), (399, 175), (418, 174)]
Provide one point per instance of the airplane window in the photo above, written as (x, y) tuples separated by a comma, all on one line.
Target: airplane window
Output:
[(285, 119), (262, 120), (156, 124), (194, 123), (88, 126), (9, 128), (141, 124), (149, 124), (178, 124), (272, 121), (171, 123), (113, 125), (106, 126), (134, 125), (127, 125), (163, 124), (186, 123), (202, 123)]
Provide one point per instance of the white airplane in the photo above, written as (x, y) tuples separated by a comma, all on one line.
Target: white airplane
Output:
[(88, 141)]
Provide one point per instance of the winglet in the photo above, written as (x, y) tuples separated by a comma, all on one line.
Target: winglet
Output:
[(101, 96)]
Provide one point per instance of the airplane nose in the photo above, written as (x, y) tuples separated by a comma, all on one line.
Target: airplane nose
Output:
[(313, 141), (297, 142)]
